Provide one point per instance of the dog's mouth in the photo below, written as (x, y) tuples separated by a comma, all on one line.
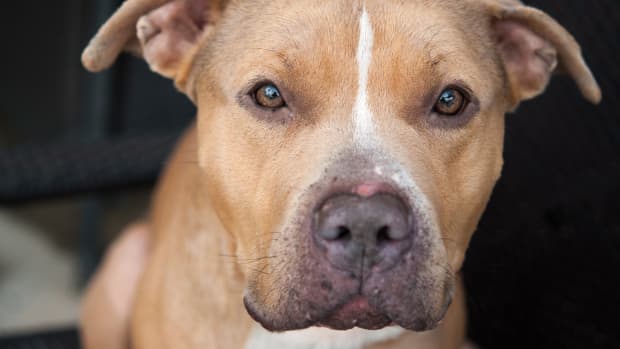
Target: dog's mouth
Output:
[(356, 312)]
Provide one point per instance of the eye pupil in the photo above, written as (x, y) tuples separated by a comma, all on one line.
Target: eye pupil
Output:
[(268, 96), (450, 102), (447, 97), (271, 92)]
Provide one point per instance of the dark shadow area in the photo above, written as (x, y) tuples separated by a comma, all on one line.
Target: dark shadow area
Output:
[(61, 339), (542, 270)]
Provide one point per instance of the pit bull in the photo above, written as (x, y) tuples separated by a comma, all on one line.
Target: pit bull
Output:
[(342, 155)]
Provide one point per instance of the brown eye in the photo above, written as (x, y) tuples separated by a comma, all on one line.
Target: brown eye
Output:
[(451, 102), (268, 96)]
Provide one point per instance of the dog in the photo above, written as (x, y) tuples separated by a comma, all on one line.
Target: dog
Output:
[(342, 155)]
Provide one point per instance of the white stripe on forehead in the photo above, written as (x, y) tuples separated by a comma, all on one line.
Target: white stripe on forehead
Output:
[(364, 132)]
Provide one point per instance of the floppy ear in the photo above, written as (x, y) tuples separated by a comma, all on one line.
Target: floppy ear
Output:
[(532, 45), (165, 32)]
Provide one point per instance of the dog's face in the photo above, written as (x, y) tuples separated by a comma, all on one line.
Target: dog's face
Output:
[(350, 147), (352, 141)]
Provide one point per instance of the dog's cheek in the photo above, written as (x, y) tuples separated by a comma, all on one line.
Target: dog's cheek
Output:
[(247, 190), (470, 180), (225, 180)]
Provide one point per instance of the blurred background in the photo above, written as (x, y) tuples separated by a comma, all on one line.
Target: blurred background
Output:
[(79, 154)]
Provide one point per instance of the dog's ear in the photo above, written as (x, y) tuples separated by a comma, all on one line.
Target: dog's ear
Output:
[(532, 45), (165, 33)]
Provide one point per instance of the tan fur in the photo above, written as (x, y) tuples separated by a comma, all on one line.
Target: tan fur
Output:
[(224, 220), (117, 34)]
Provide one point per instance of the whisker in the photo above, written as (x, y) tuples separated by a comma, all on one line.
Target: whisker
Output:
[(452, 241), (247, 259)]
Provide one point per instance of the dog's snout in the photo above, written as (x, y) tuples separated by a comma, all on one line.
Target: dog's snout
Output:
[(357, 232)]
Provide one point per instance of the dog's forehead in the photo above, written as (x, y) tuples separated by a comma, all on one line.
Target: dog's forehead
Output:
[(306, 36), (335, 24)]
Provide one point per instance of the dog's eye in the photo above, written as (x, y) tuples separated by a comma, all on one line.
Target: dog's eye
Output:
[(451, 102), (269, 96)]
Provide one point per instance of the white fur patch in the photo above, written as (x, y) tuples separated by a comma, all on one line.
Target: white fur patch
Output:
[(362, 116), (320, 338)]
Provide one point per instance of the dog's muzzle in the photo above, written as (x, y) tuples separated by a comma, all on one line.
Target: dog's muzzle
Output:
[(364, 252)]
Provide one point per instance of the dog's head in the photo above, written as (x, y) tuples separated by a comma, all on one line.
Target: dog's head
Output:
[(349, 147)]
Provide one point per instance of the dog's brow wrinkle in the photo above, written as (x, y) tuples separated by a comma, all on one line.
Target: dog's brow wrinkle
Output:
[(279, 55), (432, 55), (362, 116)]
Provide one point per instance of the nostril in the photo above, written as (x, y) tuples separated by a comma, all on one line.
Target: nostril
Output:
[(383, 235), (344, 233), (339, 233), (391, 233)]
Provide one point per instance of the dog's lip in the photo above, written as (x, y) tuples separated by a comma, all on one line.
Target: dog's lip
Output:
[(358, 304), (356, 312)]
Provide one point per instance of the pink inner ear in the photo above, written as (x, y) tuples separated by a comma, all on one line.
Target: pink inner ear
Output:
[(529, 59), (169, 33)]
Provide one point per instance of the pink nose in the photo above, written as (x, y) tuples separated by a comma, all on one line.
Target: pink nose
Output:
[(357, 233)]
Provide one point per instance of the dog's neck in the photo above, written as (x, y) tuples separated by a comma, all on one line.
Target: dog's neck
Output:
[(320, 338)]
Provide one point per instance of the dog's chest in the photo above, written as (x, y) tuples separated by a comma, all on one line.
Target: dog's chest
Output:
[(319, 338)]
